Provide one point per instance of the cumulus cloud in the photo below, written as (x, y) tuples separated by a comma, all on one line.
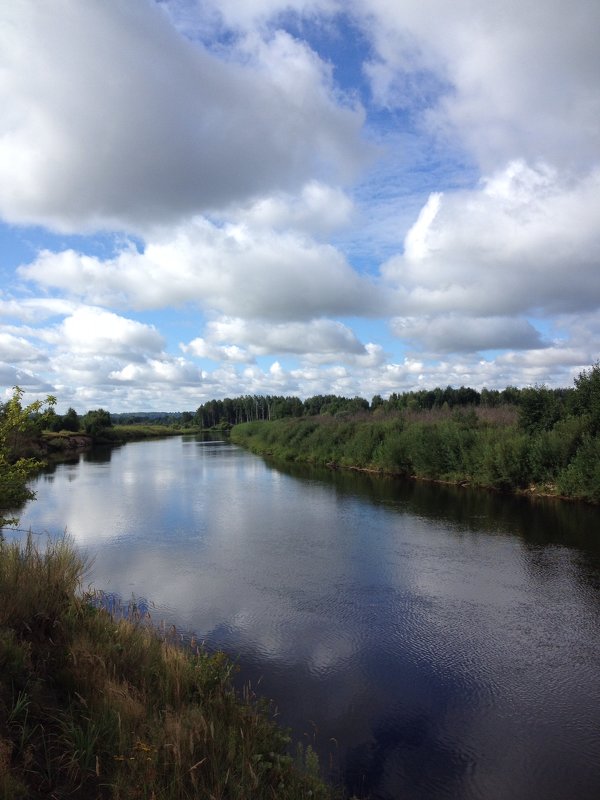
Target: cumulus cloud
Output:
[(451, 333), (201, 348), (32, 384), (15, 349), (35, 309), (318, 209), (94, 330), (526, 241), (229, 268), (171, 371), (224, 145), (511, 79), (96, 357), (315, 336), (112, 118)]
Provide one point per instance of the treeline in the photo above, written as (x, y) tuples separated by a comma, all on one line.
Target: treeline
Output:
[(98, 421), (250, 408), (92, 422), (550, 443)]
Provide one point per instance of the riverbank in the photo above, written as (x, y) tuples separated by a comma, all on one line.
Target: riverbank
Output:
[(120, 434), (96, 707), (117, 434), (57, 444), (470, 447)]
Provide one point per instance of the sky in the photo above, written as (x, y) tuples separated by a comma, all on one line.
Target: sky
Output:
[(212, 198)]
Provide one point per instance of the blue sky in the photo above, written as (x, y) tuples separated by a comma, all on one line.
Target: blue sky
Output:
[(207, 199)]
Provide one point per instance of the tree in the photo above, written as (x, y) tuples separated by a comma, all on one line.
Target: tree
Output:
[(586, 399), (70, 421), (96, 421), (539, 409), (16, 424)]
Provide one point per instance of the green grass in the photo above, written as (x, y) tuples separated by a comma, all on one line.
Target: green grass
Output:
[(477, 446), (94, 707), (128, 433)]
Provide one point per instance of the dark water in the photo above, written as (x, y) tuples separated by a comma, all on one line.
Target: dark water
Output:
[(428, 642)]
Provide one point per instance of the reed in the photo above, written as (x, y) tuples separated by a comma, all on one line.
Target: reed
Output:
[(92, 706), (484, 447)]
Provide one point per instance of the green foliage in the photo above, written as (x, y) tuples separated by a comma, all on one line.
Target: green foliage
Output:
[(457, 435), (96, 422), (540, 408), (92, 707), (502, 460), (67, 422), (19, 429), (581, 478), (70, 421), (119, 434), (586, 400)]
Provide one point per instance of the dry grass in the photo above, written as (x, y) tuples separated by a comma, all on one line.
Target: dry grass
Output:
[(94, 707)]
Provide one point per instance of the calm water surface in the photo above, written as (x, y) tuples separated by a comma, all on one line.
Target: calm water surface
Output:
[(428, 642)]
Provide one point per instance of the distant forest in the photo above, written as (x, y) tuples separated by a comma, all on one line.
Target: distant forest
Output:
[(550, 403), (537, 407), (537, 440)]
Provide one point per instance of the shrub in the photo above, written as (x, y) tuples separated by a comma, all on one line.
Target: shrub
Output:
[(581, 478)]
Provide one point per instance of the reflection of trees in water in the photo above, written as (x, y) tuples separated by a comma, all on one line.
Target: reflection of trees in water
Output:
[(538, 521), (100, 454)]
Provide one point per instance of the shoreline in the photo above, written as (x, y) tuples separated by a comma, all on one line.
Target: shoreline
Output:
[(532, 492)]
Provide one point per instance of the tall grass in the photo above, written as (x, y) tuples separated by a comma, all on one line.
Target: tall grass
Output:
[(94, 707), (484, 447)]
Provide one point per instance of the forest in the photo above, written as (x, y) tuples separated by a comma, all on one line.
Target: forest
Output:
[(535, 439)]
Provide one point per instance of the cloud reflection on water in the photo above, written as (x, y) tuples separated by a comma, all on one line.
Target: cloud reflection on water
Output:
[(410, 623)]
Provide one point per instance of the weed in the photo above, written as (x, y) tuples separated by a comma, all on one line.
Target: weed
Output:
[(93, 706)]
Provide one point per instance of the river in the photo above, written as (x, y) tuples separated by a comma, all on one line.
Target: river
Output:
[(428, 642)]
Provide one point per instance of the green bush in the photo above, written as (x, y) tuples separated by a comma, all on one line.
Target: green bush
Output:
[(479, 447), (501, 460), (581, 478)]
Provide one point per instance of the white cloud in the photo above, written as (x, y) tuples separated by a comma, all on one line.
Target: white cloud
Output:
[(452, 333), (511, 79), (35, 309), (32, 384), (96, 331), (113, 119), (318, 209), (231, 269), (201, 348), (526, 241), (225, 145), (15, 349), (174, 372), (316, 336), (92, 352)]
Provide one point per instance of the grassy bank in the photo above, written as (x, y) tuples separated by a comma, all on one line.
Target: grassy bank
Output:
[(478, 446), (41, 444), (54, 443), (119, 434), (92, 707)]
